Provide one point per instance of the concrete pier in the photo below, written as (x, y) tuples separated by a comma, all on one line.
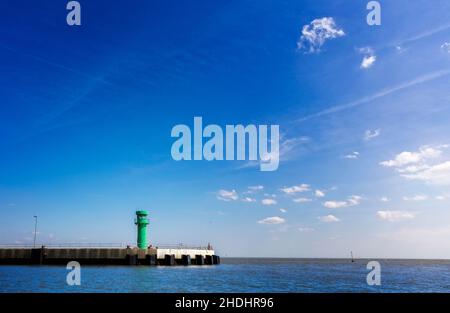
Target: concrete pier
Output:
[(108, 256), (186, 260), (141, 254)]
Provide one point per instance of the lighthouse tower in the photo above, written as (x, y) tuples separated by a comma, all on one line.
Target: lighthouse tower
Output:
[(142, 222)]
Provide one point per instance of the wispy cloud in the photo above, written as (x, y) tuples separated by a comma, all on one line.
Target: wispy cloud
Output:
[(371, 134), (227, 195), (446, 47), (72, 70), (442, 197), (319, 193), (295, 189), (268, 201), (315, 34), (302, 200), (400, 45), (394, 216), (289, 148), (328, 219), (273, 220), (416, 198), (423, 35), (351, 201), (353, 155), (385, 92), (254, 189), (400, 49)]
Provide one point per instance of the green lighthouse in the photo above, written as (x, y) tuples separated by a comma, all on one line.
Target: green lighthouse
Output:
[(142, 222)]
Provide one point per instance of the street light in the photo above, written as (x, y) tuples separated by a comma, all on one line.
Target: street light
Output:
[(35, 230)]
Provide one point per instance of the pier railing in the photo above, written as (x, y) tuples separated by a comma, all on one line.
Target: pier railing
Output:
[(100, 245), (180, 246), (66, 245)]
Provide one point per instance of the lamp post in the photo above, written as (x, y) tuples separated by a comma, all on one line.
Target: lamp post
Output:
[(35, 230)]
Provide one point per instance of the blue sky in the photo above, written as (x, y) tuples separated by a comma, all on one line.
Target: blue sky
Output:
[(86, 114)]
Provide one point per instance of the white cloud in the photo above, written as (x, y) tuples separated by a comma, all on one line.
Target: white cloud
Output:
[(319, 193), (328, 219), (283, 210), (438, 174), (254, 189), (315, 34), (302, 200), (402, 159), (268, 202), (354, 200), (413, 169), (353, 155), (419, 166), (226, 195), (406, 157), (370, 134), (394, 216), (296, 189), (384, 199), (274, 220), (335, 204), (351, 201), (416, 198), (446, 47), (248, 199), (369, 57), (368, 61)]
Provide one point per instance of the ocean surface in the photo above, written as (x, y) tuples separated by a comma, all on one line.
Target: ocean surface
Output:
[(236, 275)]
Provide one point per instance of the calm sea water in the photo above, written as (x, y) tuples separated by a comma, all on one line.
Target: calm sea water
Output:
[(236, 275)]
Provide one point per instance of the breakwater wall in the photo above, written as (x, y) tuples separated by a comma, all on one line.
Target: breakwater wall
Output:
[(108, 256)]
